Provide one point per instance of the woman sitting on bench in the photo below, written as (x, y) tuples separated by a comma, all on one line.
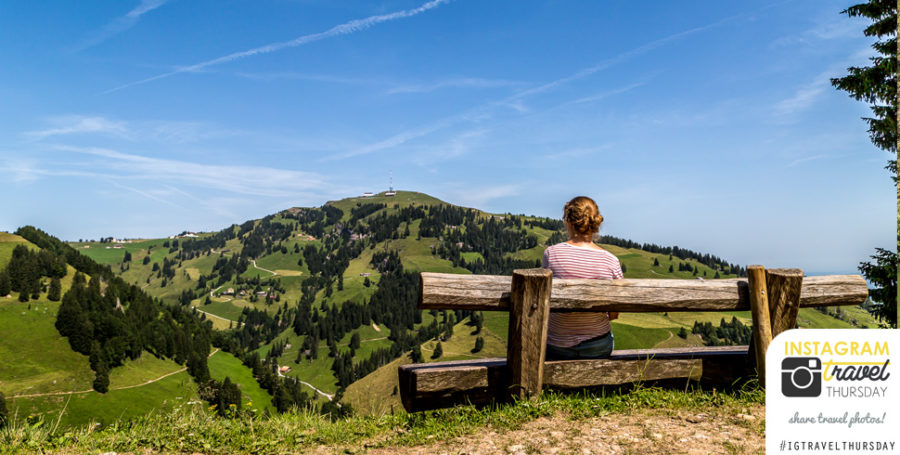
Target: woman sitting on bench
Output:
[(580, 335)]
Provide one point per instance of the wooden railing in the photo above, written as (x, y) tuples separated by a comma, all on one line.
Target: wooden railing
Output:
[(773, 296)]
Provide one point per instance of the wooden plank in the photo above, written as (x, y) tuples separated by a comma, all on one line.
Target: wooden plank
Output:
[(488, 292), (527, 341), (831, 290), (762, 323), (784, 298), (443, 384), (581, 373), (716, 364)]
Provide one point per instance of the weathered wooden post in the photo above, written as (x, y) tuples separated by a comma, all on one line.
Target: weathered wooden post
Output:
[(784, 287), (528, 316), (762, 322)]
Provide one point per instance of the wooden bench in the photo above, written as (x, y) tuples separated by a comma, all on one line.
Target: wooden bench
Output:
[(773, 296)]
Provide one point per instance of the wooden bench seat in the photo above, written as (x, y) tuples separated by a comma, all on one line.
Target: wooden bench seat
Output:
[(773, 297), (440, 384)]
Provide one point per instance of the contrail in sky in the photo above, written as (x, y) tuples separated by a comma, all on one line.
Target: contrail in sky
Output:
[(338, 30), (121, 24)]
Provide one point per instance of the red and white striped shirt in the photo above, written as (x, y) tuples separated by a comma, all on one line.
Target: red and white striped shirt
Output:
[(570, 261)]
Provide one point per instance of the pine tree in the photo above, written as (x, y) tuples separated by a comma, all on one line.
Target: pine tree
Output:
[(417, 355), (55, 290), (354, 341), (479, 344), (4, 283), (671, 269), (438, 351), (101, 380), (655, 262), (883, 274), (877, 86), (683, 333)]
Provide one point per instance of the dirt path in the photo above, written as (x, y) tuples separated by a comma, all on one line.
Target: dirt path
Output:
[(645, 431), (217, 317), (450, 353), (48, 394), (214, 290), (260, 268), (364, 341), (320, 392), (330, 397)]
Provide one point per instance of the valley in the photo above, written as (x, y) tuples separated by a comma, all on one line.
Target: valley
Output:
[(324, 297)]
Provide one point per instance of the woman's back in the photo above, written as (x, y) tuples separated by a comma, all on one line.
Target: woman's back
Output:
[(570, 261)]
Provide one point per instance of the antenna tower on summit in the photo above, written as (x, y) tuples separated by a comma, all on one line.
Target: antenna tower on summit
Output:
[(391, 191)]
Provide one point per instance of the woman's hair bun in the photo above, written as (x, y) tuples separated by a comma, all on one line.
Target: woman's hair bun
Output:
[(584, 216)]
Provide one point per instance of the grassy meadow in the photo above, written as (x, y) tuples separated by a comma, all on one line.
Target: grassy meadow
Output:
[(59, 369)]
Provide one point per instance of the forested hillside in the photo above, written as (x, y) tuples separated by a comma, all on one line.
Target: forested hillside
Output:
[(327, 295), (294, 309)]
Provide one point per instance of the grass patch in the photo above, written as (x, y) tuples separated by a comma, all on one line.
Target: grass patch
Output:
[(228, 310), (37, 359), (223, 364), (163, 396), (630, 337), (189, 429)]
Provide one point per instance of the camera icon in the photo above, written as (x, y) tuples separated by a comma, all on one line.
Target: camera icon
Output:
[(801, 377)]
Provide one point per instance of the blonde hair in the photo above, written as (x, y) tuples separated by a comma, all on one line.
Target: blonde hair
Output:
[(584, 216)]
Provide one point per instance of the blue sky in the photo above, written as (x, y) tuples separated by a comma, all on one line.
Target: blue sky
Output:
[(708, 125)]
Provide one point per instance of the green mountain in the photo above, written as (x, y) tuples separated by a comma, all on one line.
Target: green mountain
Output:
[(328, 294), (308, 302), (44, 379)]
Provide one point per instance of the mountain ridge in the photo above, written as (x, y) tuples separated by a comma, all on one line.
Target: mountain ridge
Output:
[(326, 295)]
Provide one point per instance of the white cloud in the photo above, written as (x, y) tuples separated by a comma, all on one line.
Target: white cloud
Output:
[(393, 141), (293, 75), (346, 28), (835, 28), (606, 94), (516, 100), (246, 180), (806, 159), (578, 152), (615, 60), (120, 24), (145, 7), (807, 94), (480, 196), (78, 124), (803, 97), (152, 194), (460, 145), (164, 131), (468, 82)]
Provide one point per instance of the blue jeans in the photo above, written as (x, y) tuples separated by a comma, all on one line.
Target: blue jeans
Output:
[(597, 349)]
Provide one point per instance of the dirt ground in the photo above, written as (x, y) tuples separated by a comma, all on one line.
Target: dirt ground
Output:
[(643, 432)]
